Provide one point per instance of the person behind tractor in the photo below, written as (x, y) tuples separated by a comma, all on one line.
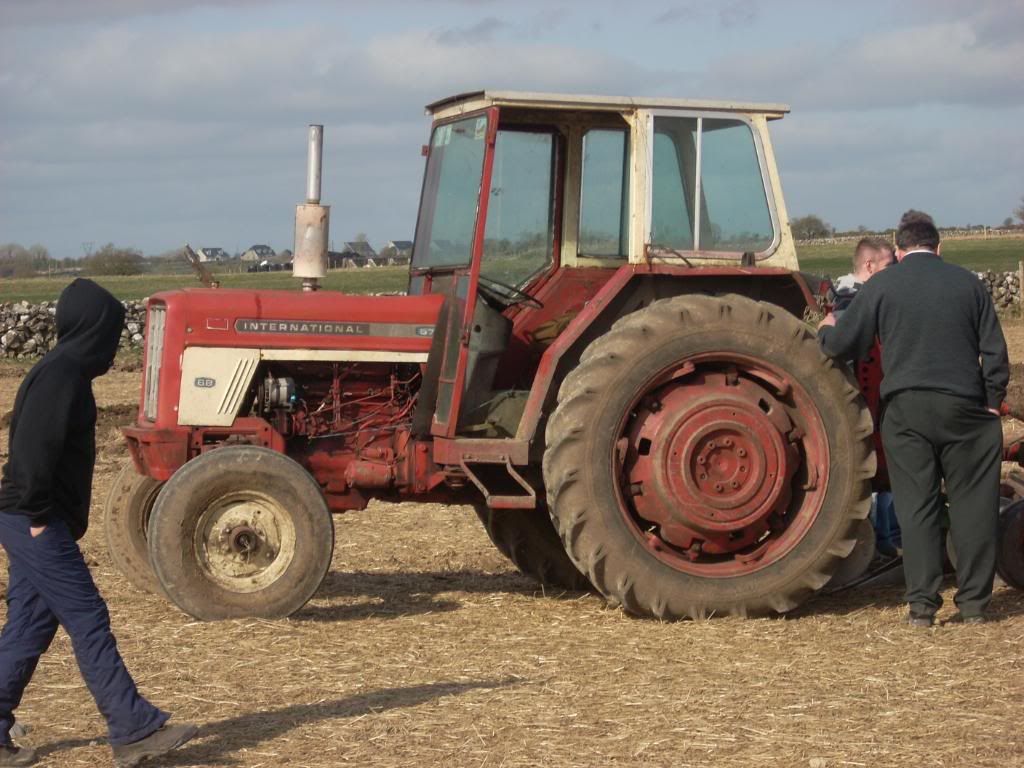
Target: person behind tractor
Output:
[(44, 509), (871, 256), (945, 371)]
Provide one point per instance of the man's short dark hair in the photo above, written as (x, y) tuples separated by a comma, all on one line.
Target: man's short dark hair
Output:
[(917, 229), (866, 249)]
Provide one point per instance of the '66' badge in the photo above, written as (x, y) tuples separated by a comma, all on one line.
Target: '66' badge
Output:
[(205, 382)]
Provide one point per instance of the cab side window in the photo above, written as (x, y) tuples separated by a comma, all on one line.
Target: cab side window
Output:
[(604, 195)]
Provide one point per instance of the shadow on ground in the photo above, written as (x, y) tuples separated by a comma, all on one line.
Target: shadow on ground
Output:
[(219, 741), (1006, 602), (393, 594)]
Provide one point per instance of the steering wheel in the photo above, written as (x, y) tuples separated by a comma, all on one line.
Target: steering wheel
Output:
[(507, 295)]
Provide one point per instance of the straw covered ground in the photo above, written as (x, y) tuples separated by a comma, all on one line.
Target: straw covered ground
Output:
[(424, 647)]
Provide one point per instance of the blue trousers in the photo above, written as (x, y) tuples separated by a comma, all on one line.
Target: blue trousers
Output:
[(50, 584), (887, 529)]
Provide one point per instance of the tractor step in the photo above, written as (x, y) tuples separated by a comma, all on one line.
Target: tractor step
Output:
[(495, 479)]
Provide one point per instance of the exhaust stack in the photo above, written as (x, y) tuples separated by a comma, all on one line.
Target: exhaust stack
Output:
[(312, 220)]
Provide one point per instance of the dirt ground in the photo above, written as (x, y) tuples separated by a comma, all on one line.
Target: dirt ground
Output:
[(424, 647)]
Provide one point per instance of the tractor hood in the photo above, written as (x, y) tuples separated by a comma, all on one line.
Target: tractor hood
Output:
[(288, 320)]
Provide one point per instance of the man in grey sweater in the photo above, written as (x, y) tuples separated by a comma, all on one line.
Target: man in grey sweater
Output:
[(946, 369)]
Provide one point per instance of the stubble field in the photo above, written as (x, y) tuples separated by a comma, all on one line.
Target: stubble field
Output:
[(425, 648)]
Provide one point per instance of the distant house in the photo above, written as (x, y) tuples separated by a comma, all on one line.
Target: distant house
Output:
[(258, 253), (396, 252), (212, 254), (358, 253)]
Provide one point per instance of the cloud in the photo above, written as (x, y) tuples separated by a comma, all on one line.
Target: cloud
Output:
[(61, 12), (150, 138), (734, 14), (482, 31), (944, 61), (177, 128), (680, 13), (740, 13), (866, 168)]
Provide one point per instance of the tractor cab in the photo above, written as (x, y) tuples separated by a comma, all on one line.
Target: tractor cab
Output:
[(531, 203)]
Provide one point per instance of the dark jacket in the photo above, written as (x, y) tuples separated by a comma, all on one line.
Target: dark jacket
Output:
[(52, 439), (937, 327)]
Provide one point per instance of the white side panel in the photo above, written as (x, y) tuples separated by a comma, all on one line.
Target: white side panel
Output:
[(213, 382)]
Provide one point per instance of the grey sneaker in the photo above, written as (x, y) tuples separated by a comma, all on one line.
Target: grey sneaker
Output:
[(959, 618), (919, 620), (158, 743), (12, 755)]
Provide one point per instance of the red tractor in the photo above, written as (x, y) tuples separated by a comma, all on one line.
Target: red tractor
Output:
[(603, 349)]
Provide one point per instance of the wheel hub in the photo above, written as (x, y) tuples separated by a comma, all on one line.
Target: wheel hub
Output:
[(709, 458), (245, 541)]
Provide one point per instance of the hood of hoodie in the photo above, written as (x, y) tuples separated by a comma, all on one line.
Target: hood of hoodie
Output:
[(89, 325)]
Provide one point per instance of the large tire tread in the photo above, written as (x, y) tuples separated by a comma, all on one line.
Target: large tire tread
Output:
[(639, 588)]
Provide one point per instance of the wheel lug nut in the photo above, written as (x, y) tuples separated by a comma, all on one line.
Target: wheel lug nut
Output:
[(719, 487), (742, 452), (701, 460), (727, 442), (734, 484), (703, 476)]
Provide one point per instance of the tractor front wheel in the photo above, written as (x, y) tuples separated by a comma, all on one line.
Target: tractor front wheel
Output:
[(241, 531), (125, 518), (705, 457)]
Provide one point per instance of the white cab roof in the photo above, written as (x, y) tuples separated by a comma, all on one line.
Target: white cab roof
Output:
[(473, 100)]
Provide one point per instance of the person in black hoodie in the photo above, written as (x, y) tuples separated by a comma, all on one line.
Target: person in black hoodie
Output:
[(45, 492)]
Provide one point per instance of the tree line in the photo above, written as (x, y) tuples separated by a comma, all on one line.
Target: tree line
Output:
[(18, 261), (813, 227)]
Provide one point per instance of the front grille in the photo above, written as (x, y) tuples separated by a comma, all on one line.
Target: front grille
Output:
[(155, 323)]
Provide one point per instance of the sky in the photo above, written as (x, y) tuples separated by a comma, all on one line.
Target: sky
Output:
[(152, 123)]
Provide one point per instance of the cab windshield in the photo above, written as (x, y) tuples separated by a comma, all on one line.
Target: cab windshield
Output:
[(451, 193)]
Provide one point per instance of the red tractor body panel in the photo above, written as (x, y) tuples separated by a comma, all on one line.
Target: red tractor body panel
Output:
[(323, 320), (384, 326)]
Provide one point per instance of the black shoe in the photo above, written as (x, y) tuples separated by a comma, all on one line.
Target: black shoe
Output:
[(959, 618), (919, 620), (157, 743), (12, 755)]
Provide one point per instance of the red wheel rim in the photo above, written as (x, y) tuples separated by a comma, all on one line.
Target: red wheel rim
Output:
[(722, 465)]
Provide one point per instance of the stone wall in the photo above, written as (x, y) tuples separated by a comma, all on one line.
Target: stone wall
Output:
[(29, 330), (1004, 287)]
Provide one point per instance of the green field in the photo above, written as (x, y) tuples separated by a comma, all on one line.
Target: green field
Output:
[(377, 280), (998, 254), (834, 260)]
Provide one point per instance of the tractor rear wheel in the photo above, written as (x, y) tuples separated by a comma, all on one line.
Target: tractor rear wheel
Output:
[(528, 538), (125, 518), (705, 457), (241, 531)]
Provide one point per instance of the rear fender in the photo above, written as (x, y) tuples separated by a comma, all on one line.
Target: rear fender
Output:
[(634, 287)]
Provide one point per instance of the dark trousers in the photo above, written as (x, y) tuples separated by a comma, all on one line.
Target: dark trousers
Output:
[(928, 437), (50, 584)]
